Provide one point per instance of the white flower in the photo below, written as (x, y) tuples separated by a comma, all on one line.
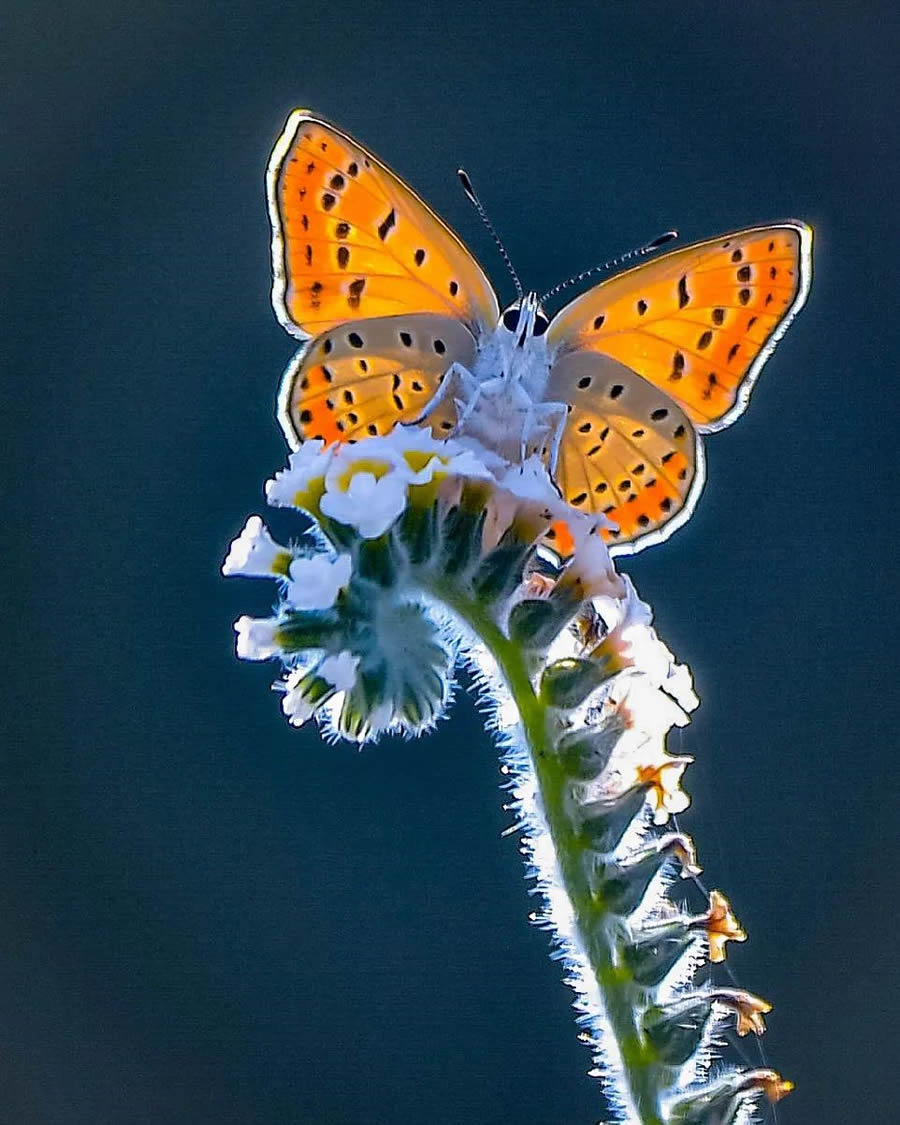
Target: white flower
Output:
[(255, 554), (296, 707), (300, 482), (256, 637), (591, 567), (530, 481), (299, 703), (339, 670), (380, 719), (370, 505), (426, 455), (315, 582), (366, 486), (680, 685), (645, 707), (631, 641)]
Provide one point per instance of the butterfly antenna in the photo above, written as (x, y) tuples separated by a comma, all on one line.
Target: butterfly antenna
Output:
[(638, 252), (476, 203)]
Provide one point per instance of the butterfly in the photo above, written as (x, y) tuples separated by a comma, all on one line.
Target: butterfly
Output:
[(400, 324)]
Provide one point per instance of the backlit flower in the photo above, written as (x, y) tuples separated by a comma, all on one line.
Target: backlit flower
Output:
[(256, 637), (306, 691), (301, 484), (255, 554), (366, 486), (315, 582), (769, 1082), (662, 780), (748, 1009), (428, 457), (721, 926), (630, 641)]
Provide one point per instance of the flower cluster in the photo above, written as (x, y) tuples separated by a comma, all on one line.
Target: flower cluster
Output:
[(423, 550), (364, 650)]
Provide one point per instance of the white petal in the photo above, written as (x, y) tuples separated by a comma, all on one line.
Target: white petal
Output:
[(296, 708), (315, 582), (310, 462), (339, 670), (370, 506), (376, 456), (256, 637), (255, 554), (529, 481)]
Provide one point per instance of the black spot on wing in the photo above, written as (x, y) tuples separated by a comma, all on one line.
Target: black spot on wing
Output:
[(387, 224)]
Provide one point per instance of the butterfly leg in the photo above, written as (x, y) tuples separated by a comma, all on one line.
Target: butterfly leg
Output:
[(550, 416), (457, 384)]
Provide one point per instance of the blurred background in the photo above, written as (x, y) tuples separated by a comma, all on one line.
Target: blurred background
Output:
[(206, 916)]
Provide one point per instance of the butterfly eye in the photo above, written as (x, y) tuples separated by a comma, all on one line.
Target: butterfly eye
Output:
[(511, 319), (541, 324)]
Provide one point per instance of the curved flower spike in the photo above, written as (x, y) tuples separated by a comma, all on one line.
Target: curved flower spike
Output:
[(423, 549)]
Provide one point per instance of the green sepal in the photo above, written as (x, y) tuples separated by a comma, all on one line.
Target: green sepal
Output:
[(417, 531), (501, 570), (460, 539), (281, 564), (361, 701), (623, 887), (376, 561), (676, 1032), (340, 535), (537, 622), (605, 822), (420, 696), (567, 683), (315, 689), (309, 628), (650, 960), (718, 1104), (585, 753)]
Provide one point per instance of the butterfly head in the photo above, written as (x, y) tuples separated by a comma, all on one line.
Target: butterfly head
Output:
[(524, 320)]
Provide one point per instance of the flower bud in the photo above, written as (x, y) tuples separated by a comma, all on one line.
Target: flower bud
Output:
[(676, 1030), (568, 682)]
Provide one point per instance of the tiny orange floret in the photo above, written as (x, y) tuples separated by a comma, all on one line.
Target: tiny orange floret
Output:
[(721, 926), (769, 1082)]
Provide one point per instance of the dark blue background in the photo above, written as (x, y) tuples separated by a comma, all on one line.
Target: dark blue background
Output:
[(208, 917)]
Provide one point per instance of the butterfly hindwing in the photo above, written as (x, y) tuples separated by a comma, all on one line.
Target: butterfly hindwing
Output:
[(351, 241), (359, 379), (700, 322), (629, 452)]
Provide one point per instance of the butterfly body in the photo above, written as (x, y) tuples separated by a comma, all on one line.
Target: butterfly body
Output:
[(400, 325), (500, 402)]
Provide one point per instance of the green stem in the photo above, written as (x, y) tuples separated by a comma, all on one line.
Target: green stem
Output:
[(595, 926)]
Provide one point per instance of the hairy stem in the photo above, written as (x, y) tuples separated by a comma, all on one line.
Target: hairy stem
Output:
[(613, 979)]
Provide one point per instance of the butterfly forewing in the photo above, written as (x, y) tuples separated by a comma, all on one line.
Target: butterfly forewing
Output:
[(697, 323), (629, 452), (351, 241), (359, 379)]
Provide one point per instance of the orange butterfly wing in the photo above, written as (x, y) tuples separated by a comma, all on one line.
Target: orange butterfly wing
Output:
[(351, 241), (629, 453), (360, 379), (700, 322)]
